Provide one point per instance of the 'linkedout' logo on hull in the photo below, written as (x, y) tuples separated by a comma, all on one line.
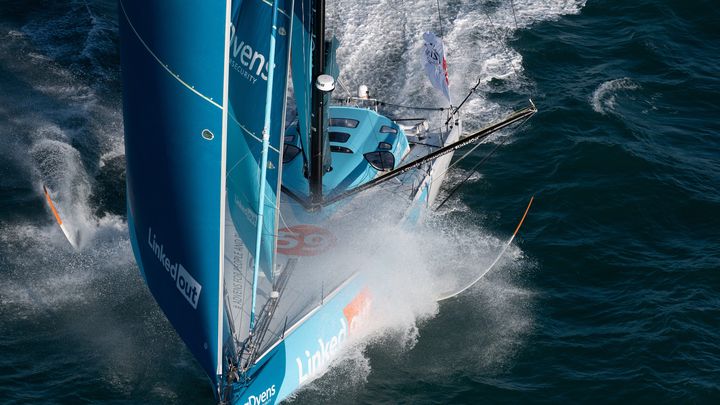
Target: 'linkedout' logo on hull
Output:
[(184, 282), (355, 312)]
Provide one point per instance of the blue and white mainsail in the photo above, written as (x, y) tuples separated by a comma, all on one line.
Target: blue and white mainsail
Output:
[(174, 70)]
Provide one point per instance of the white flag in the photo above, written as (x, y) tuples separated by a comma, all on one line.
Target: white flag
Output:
[(435, 64)]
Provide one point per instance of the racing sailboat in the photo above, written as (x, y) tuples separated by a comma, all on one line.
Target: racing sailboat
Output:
[(231, 208)]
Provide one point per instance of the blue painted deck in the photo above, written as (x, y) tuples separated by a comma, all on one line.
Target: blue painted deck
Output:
[(350, 168)]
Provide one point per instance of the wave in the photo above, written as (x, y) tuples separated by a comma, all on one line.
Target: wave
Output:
[(603, 99), (381, 47), (59, 126)]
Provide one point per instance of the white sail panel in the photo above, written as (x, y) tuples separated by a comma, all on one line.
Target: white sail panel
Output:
[(435, 63)]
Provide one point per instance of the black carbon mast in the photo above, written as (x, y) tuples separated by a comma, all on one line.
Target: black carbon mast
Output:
[(317, 169)]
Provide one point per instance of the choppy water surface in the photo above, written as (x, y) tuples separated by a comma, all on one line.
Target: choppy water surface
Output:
[(611, 293)]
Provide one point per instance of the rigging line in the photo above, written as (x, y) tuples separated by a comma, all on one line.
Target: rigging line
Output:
[(470, 173), (512, 6), (466, 154), (247, 131), (497, 34), (406, 119), (410, 107), (279, 211), (424, 144), (440, 19), (512, 66), (165, 66), (481, 134), (452, 114), (472, 170), (344, 88), (87, 7), (473, 149), (227, 172)]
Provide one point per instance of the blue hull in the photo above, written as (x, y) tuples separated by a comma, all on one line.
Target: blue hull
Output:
[(308, 348)]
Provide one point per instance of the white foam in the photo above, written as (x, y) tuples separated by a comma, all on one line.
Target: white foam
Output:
[(49, 275), (60, 132), (603, 98), (380, 46)]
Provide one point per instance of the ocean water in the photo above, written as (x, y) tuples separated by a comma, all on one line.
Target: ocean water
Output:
[(611, 293)]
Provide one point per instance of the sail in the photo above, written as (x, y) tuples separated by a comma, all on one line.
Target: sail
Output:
[(248, 81), (173, 69), (301, 59), (435, 63)]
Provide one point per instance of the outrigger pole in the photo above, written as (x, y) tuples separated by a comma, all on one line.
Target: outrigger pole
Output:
[(525, 113)]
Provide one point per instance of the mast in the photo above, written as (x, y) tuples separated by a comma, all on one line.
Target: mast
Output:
[(317, 130), (223, 190)]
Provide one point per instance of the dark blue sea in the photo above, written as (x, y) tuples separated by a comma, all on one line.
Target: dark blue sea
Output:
[(610, 293)]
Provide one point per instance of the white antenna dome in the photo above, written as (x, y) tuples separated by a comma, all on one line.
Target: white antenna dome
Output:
[(325, 83)]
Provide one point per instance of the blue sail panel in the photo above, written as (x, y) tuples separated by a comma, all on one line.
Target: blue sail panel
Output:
[(249, 68), (172, 58)]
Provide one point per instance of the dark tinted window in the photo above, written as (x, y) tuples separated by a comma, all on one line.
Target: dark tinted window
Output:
[(384, 146), (344, 122), (381, 160), (340, 149), (339, 136), (289, 153), (388, 130)]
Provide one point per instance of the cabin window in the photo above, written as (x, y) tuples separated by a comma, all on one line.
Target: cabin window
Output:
[(340, 149), (344, 122), (339, 136), (388, 130), (381, 160), (384, 146), (290, 152)]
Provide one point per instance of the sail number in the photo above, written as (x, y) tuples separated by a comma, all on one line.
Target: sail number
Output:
[(304, 240)]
